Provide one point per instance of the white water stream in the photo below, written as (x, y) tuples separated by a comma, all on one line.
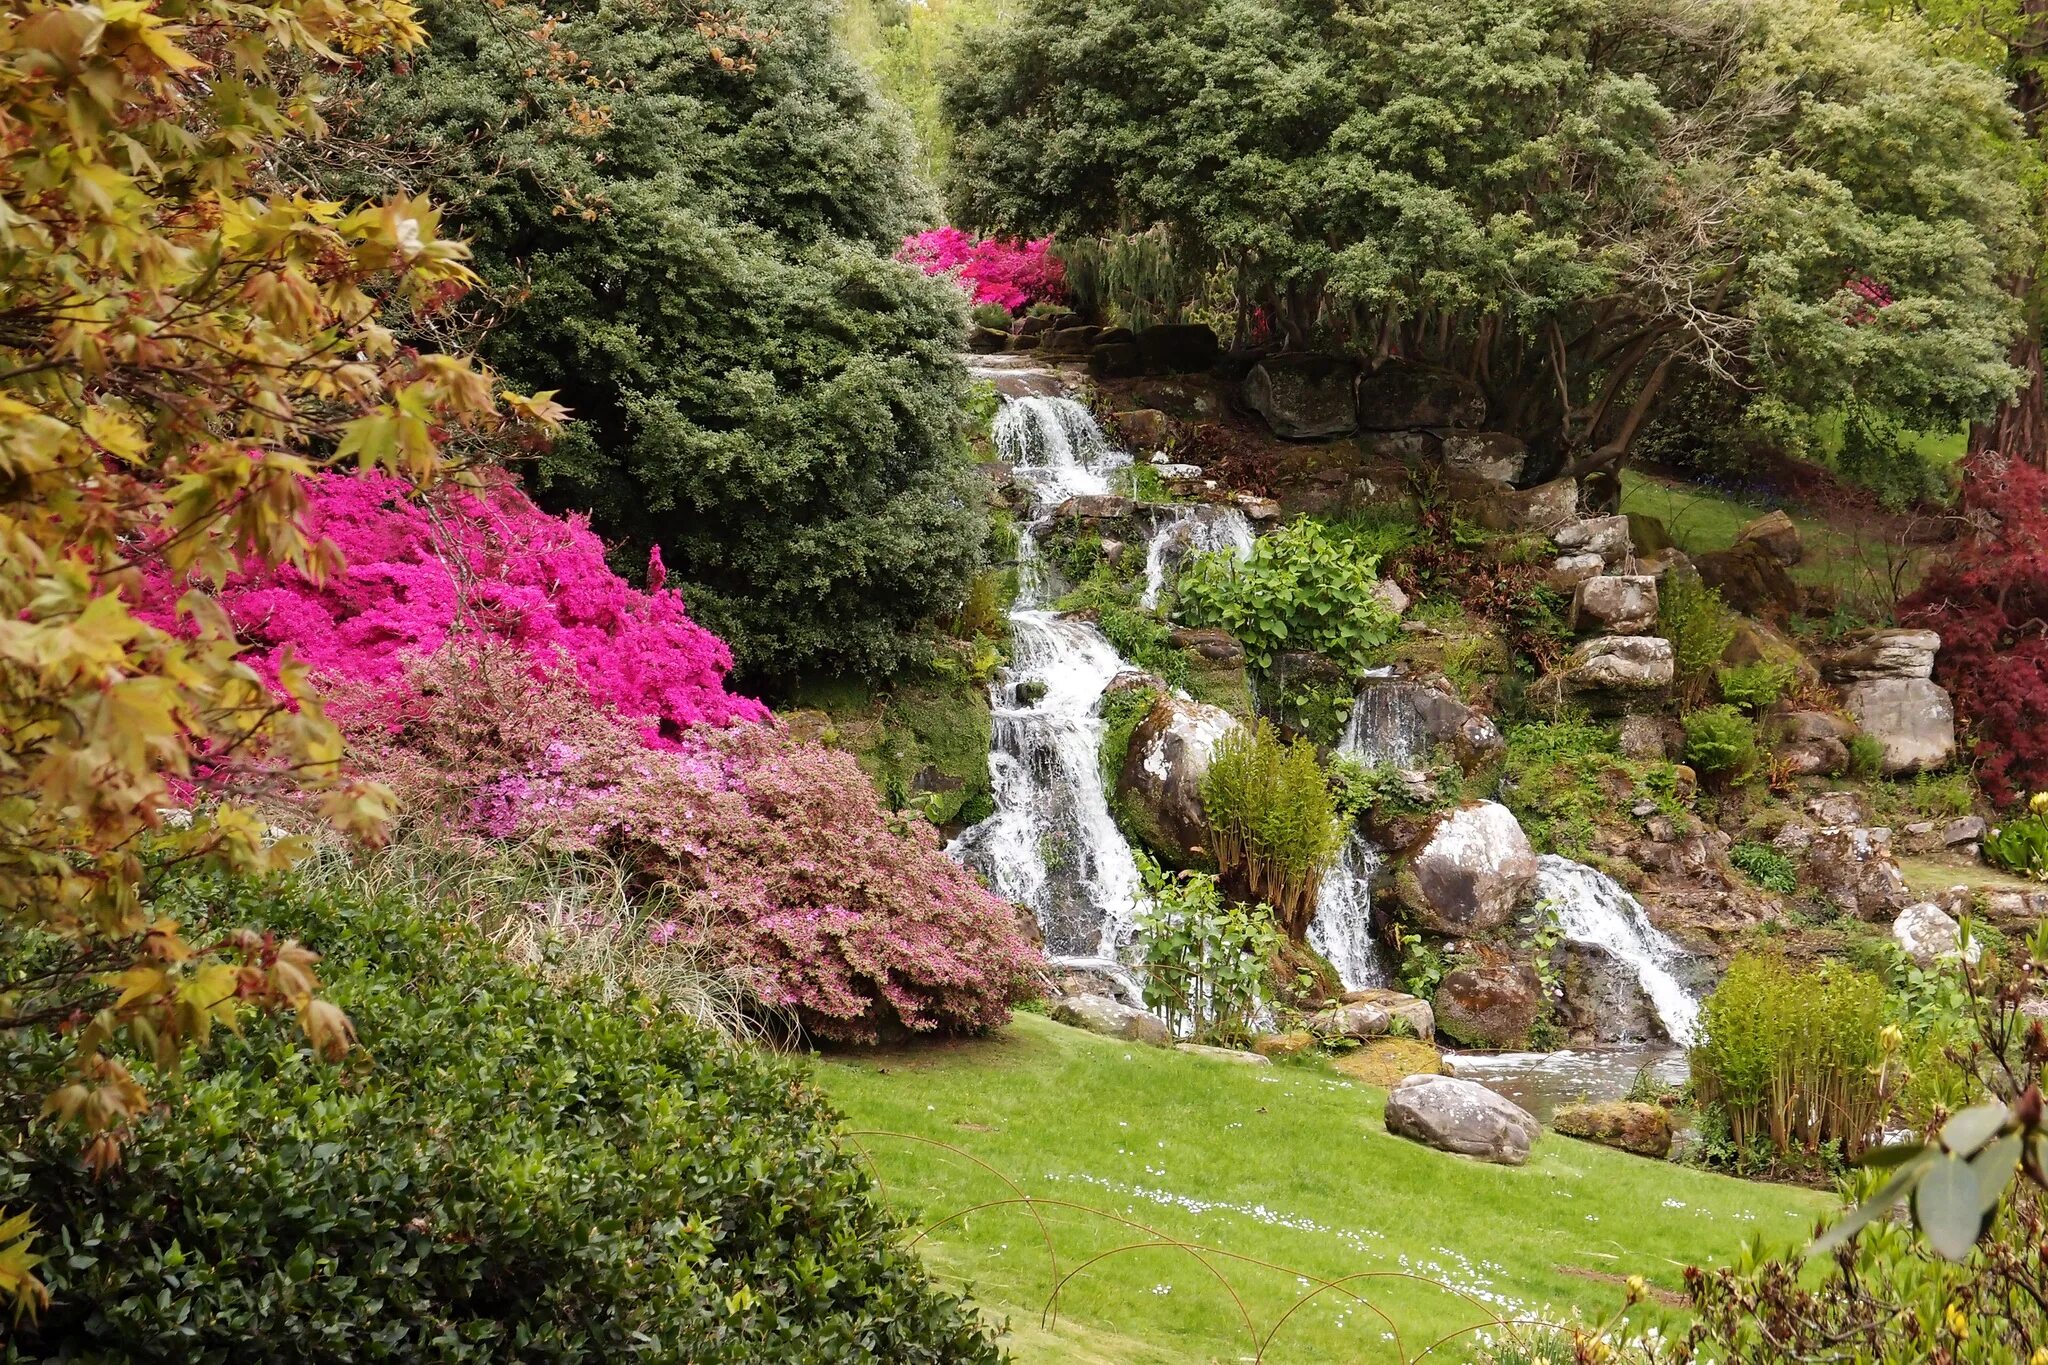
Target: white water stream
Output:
[(1594, 908), (1342, 928), (1188, 531)]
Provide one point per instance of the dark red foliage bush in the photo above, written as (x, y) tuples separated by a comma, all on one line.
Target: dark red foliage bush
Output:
[(1989, 601)]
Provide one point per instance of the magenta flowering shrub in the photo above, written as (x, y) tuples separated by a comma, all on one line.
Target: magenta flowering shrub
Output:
[(779, 854), (419, 569), (994, 270)]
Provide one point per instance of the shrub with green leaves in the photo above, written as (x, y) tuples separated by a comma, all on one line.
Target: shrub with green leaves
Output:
[(1766, 866), (1866, 756), (510, 1168), (1208, 961), (1752, 687), (1794, 1056), (1720, 742), (1699, 626), (2020, 844), (1274, 820), (1305, 586)]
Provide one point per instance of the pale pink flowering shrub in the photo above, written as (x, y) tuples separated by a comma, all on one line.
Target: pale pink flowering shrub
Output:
[(994, 270), (781, 856), (484, 562)]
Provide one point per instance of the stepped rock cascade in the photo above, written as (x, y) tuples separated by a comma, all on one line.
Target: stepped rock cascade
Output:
[(1187, 531), (1052, 844), (1342, 928), (1383, 729), (1593, 908)]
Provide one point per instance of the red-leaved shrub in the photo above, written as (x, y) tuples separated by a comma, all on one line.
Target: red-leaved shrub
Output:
[(996, 270), (1989, 601), (485, 562), (779, 855)]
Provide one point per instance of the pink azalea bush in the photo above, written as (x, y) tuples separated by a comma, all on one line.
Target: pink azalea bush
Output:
[(996, 270), (481, 562), (779, 855)]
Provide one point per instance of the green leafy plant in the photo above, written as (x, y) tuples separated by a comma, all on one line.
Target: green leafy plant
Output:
[(1208, 960), (1560, 779), (1752, 687), (1699, 626), (993, 316), (1304, 586), (2020, 844), (1720, 742), (1765, 866), (1121, 712), (1275, 820), (1866, 756), (1423, 965)]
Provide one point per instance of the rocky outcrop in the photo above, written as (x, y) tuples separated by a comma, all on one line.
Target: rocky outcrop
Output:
[(1545, 507), (1349, 1021), (1569, 571), (1613, 674), (1913, 718), (1644, 1129), (1608, 537), (1927, 934), (1160, 782), (1410, 1010), (1148, 428), (1876, 654), (1403, 396), (1656, 738), (1410, 721), (1096, 508), (1118, 360), (1304, 396), (1470, 872), (1111, 1018), (1852, 866), (1489, 1006), (1176, 348), (1775, 534), (1615, 604), (1463, 1117), (1209, 648), (1811, 743), (1494, 456), (1601, 998), (1752, 580)]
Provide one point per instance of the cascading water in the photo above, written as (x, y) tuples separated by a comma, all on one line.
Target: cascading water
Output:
[(1593, 908), (1188, 531), (1052, 844), (1342, 928)]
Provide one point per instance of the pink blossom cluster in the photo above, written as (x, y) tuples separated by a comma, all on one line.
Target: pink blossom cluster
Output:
[(1873, 294), (994, 270), (780, 853), (424, 568)]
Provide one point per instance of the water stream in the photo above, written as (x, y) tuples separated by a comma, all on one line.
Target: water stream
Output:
[(1595, 909), (1342, 928), (1187, 531)]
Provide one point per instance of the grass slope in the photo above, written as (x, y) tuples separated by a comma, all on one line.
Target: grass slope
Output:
[(1290, 1166)]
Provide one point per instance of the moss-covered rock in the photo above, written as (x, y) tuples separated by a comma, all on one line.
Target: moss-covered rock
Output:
[(1387, 1061), (1644, 1129)]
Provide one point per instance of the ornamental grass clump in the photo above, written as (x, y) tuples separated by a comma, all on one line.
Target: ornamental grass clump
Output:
[(1795, 1057), (1274, 820)]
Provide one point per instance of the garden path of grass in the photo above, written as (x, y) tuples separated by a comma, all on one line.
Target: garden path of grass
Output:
[(1287, 1165)]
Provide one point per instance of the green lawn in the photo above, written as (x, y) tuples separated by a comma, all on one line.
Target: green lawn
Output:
[(1702, 520), (1287, 1173)]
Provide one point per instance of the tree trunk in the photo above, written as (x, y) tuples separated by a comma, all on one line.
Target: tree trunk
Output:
[(2020, 430)]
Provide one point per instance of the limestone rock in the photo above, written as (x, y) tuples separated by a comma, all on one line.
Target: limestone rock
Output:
[(1409, 1009), (1607, 537), (1644, 1129), (1112, 1018), (1491, 455), (1176, 348), (1401, 395), (1491, 1007), (1388, 594), (1926, 933), (1349, 1021), (1813, 757), (1210, 648), (1386, 1062), (1408, 721), (1256, 508), (1614, 673), (1615, 604), (1603, 999), (1470, 873), (1655, 738), (1147, 427), (1776, 534), (1545, 507), (1224, 1054), (1964, 830), (1839, 808), (1913, 718), (1853, 866), (1873, 654), (1071, 976), (1463, 1117), (1571, 570), (1160, 781), (1752, 580), (1095, 508), (1304, 396)]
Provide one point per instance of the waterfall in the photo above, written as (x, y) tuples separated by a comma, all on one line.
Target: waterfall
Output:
[(1342, 928), (1187, 531), (1052, 843), (1385, 727), (1593, 908)]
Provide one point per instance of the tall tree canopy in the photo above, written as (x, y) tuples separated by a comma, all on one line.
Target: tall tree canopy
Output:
[(688, 218), (1573, 201)]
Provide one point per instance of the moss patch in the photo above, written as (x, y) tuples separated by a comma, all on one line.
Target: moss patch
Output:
[(924, 740)]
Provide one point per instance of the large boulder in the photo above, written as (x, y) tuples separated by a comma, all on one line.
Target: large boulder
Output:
[(1470, 872), (1603, 1001), (1569, 571), (1118, 360), (1147, 428), (1160, 782), (1491, 455), (1361, 1020), (1615, 604), (1177, 348), (1405, 1009), (1111, 1018), (1304, 396), (1614, 674), (1644, 1129), (1776, 534), (1871, 655), (1075, 340), (1405, 722), (1403, 396), (1927, 934), (1463, 1117), (1545, 507), (1752, 580), (1209, 648), (1913, 718), (1489, 1006), (1852, 866), (1096, 508), (1609, 537)]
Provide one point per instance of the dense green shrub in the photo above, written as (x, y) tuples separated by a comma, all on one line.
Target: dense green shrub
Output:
[(1305, 586), (1752, 687), (1699, 626), (1720, 742), (1766, 866), (508, 1169), (686, 219), (1274, 818), (1866, 755), (2020, 844), (1794, 1057), (1208, 961)]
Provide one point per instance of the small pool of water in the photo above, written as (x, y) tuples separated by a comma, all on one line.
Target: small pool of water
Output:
[(1544, 1082)]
